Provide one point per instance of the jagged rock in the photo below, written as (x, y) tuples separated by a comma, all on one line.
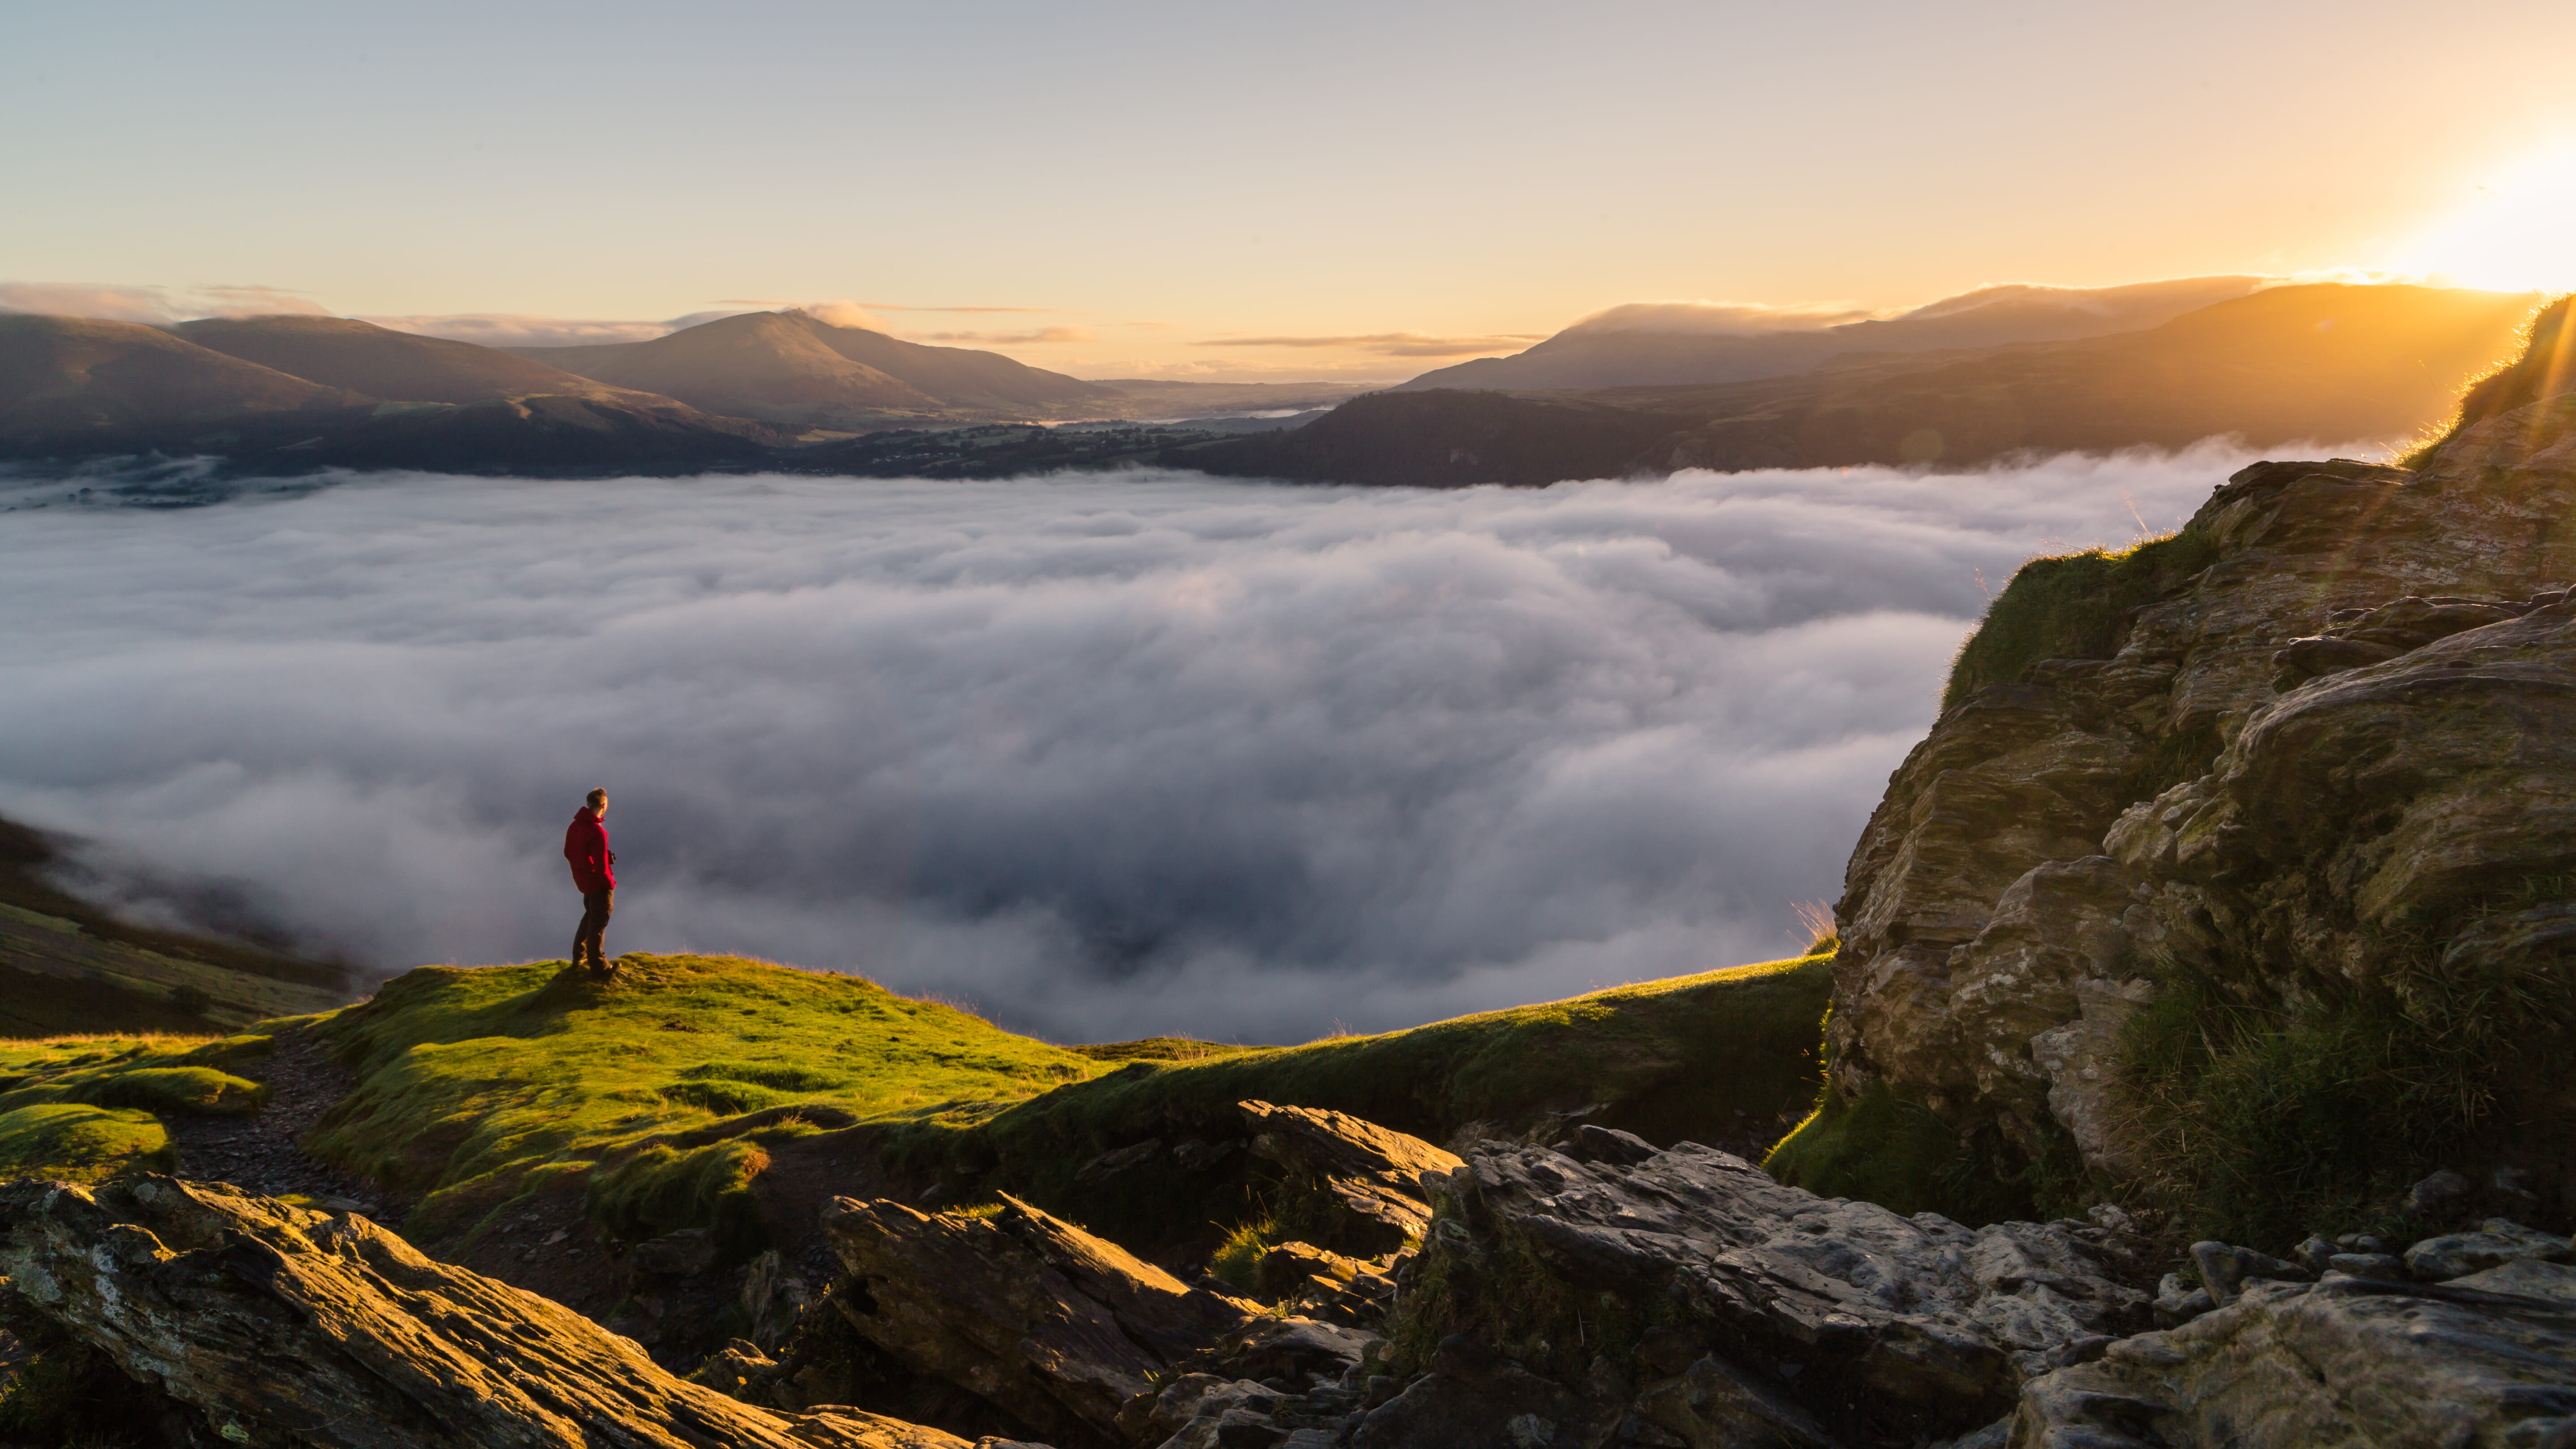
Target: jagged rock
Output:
[(1593, 1143), (2224, 1270), (1714, 1402), (1057, 1328), (1918, 1318), (2339, 1364), (2178, 1303), (2496, 1243), (773, 1300), (1473, 1398), (1109, 1164), (287, 1326), (1367, 1175), (683, 1254), (1290, 1267), (2385, 1266), (2437, 1195)]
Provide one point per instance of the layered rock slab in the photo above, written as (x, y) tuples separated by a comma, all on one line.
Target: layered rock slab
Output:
[(1054, 1326), (1367, 1177), (2484, 1360), (287, 1326), (1843, 1311)]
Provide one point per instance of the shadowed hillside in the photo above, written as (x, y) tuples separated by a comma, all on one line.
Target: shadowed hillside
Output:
[(787, 367), (396, 366), (71, 377)]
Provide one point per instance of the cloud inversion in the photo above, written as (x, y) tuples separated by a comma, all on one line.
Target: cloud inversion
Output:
[(1111, 755)]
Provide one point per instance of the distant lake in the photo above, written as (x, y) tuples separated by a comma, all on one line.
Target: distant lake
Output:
[(1107, 755)]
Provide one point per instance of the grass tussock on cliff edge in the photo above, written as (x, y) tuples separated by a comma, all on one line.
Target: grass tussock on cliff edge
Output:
[(2072, 606)]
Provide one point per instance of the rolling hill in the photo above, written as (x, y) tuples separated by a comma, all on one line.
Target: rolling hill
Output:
[(66, 377), (787, 367), (381, 363)]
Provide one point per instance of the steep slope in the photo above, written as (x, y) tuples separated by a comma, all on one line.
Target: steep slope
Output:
[(788, 367), (1644, 346), (343, 352), (71, 377), (2235, 875)]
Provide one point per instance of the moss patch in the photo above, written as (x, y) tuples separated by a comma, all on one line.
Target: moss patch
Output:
[(2072, 606), (75, 1142), (1876, 1146)]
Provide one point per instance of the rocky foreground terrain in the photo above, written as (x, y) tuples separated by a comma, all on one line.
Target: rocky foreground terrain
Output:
[(2198, 1074)]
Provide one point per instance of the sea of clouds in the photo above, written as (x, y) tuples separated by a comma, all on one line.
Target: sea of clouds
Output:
[(1106, 755)]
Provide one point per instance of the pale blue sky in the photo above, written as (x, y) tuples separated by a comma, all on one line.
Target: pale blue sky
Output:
[(1156, 176)]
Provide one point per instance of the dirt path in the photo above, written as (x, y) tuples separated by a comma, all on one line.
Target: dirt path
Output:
[(259, 1153)]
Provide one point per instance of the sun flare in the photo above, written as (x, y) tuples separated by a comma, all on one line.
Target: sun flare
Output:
[(2518, 235)]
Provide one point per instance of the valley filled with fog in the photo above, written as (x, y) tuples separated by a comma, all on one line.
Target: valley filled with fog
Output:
[(1105, 755)]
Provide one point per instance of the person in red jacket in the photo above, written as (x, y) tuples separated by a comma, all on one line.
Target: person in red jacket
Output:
[(586, 847)]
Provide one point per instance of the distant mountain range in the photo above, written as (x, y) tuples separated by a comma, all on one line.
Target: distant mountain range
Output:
[(1647, 388), (296, 393), (787, 367), (2324, 363), (1673, 344)]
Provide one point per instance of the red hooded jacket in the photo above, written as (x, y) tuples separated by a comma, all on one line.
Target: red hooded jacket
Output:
[(586, 846)]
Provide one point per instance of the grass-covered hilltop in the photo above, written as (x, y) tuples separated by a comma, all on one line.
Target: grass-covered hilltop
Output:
[(2192, 1062)]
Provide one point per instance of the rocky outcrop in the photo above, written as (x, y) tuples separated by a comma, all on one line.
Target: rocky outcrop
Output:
[(1360, 1183), (285, 1326), (1053, 1326), (1756, 1307), (2483, 1359), (2059, 846)]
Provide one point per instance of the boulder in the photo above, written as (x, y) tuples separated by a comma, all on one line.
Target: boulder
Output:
[(2338, 1364), (1361, 1181), (1871, 1325), (286, 1326), (1055, 1327), (2496, 1243)]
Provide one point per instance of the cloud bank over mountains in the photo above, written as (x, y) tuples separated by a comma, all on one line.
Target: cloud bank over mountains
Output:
[(1109, 755)]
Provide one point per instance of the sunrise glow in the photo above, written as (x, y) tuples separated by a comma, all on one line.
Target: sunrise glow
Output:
[(2514, 236)]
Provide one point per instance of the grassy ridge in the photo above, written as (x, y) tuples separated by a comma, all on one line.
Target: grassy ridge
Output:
[(475, 1085), (663, 1093), (1717, 1055)]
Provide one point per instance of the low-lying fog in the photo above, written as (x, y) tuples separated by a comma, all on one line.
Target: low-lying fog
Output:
[(1107, 756)]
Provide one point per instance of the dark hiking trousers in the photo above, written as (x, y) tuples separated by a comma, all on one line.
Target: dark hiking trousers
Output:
[(595, 906)]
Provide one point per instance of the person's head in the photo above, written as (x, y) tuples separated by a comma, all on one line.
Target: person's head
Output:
[(598, 802)]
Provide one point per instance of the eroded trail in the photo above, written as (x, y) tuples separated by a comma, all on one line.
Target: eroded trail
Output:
[(262, 1153)]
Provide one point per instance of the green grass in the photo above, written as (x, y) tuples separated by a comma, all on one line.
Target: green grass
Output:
[(661, 1095), (660, 1089), (74, 1142), (2261, 1123), (1878, 1147), (1693, 1057), (2071, 607)]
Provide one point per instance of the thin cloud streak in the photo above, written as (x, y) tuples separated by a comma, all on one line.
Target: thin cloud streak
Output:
[(1392, 344), (1111, 755)]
